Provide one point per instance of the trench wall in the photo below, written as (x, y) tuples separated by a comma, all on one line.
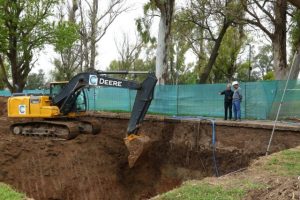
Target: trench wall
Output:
[(95, 166)]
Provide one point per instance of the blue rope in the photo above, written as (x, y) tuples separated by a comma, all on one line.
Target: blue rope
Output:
[(214, 146), (213, 136)]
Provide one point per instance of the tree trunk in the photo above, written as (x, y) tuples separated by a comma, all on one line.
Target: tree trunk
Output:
[(85, 52), (279, 60), (94, 27), (279, 40), (214, 54), (72, 12), (296, 64), (17, 85), (161, 51), (4, 72), (166, 10), (93, 53)]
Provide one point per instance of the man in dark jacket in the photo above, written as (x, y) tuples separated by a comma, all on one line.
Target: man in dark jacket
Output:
[(228, 93)]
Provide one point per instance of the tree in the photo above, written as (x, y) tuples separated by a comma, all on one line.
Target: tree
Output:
[(68, 48), (263, 61), (95, 21), (129, 52), (213, 18), (178, 70), (129, 57), (166, 11), (2, 77), (178, 45), (36, 80), (25, 27), (243, 73), (270, 17), (138, 65), (295, 43), (226, 65)]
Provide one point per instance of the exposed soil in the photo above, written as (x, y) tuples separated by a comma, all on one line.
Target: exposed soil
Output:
[(3, 106), (281, 189), (267, 183), (95, 166)]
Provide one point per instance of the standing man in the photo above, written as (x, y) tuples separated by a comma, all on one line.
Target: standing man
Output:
[(228, 93), (236, 101)]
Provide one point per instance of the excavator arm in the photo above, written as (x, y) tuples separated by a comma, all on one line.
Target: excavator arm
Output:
[(67, 96)]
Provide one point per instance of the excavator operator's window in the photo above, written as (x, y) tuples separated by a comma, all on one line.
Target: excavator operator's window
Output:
[(56, 87), (81, 101)]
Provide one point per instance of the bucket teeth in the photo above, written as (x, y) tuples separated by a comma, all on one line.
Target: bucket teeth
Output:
[(136, 145)]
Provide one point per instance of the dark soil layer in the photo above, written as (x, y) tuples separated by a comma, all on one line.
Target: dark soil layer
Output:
[(95, 167)]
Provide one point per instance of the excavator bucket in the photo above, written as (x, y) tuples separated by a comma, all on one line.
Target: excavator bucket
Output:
[(136, 145)]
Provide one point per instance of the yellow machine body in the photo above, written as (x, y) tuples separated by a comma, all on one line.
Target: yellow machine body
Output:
[(31, 106)]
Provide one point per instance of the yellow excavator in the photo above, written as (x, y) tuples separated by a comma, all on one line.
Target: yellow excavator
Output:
[(60, 114)]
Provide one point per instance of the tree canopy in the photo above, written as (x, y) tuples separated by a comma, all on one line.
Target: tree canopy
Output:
[(25, 27)]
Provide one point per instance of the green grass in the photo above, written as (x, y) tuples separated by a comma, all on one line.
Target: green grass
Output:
[(285, 163), (231, 189), (7, 193), (247, 185), (203, 191)]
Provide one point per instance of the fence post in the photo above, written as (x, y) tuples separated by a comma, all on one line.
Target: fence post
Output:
[(129, 101), (177, 91), (245, 100), (94, 99)]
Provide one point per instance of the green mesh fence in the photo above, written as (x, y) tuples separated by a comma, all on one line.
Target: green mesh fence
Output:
[(291, 103), (260, 99), (7, 93)]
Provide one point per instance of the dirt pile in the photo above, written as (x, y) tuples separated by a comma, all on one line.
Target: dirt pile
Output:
[(96, 167), (284, 189)]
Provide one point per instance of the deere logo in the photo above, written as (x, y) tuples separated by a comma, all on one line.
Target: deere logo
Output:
[(103, 81), (22, 109), (93, 80)]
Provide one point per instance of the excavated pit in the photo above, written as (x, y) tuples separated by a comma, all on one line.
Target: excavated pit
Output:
[(95, 167)]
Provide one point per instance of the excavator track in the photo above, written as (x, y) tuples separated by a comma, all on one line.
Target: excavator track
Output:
[(65, 130)]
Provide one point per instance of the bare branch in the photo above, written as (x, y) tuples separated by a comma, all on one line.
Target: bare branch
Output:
[(264, 10)]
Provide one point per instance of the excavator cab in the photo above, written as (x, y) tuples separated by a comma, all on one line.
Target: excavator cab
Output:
[(80, 97), (56, 87)]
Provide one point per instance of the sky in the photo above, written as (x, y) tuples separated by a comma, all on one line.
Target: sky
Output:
[(107, 50)]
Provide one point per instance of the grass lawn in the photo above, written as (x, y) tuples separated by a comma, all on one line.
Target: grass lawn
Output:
[(7, 193), (203, 191)]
